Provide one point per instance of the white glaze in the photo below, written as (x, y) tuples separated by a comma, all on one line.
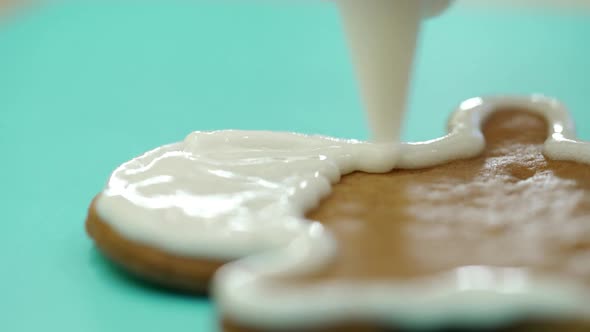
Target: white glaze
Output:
[(219, 194), (228, 194)]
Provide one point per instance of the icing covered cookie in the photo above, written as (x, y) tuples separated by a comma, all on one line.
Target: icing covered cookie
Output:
[(477, 227)]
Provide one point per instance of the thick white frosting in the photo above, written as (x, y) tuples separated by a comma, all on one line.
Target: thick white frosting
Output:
[(229, 194)]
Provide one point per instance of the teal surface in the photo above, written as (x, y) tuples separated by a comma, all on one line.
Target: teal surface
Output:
[(84, 86)]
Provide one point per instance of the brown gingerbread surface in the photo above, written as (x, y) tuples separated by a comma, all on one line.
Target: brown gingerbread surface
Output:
[(509, 207)]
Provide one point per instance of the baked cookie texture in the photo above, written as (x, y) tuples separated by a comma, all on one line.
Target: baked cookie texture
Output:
[(509, 211), (509, 207)]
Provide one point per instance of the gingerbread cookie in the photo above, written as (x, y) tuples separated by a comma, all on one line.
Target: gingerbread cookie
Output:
[(463, 231)]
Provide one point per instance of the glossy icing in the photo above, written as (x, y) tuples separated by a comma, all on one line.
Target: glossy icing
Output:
[(229, 194), (226, 194)]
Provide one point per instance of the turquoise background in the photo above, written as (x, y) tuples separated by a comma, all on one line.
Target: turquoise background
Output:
[(84, 86)]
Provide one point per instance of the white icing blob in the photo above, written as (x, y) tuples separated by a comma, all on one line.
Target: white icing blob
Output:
[(228, 194)]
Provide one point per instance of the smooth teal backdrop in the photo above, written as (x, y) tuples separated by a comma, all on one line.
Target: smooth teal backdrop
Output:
[(85, 86)]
